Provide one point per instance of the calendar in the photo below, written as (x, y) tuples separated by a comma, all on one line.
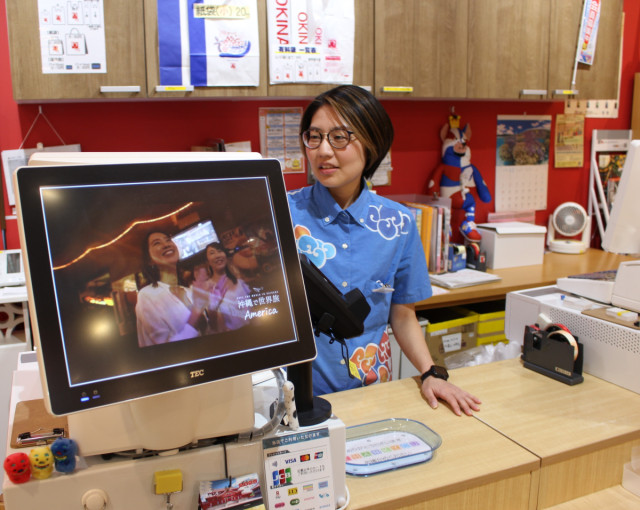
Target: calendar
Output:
[(522, 162)]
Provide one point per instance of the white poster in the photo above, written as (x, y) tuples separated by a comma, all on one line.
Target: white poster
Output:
[(522, 162), (208, 43), (72, 36), (311, 41)]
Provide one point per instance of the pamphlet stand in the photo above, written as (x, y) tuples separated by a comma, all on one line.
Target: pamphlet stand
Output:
[(550, 357)]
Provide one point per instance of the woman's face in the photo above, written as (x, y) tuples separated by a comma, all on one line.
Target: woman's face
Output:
[(217, 259), (163, 251), (339, 170)]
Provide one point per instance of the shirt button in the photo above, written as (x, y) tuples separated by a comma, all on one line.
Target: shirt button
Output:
[(345, 246), (361, 220), (327, 219), (344, 284)]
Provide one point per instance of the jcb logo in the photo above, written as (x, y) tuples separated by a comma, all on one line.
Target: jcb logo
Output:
[(196, 373)]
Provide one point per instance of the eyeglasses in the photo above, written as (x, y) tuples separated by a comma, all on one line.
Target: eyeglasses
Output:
[(338, 138)]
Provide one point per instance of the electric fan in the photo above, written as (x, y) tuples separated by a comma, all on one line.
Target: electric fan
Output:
[(569, 220)]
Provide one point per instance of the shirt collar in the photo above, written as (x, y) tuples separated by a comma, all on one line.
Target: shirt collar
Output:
[(330, 209)]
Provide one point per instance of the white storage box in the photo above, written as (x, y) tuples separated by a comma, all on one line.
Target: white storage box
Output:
[(512, 244)]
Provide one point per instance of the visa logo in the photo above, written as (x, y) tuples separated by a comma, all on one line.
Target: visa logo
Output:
[(289, 461)]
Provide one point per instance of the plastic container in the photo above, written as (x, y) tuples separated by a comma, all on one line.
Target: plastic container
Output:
[(390, 444)]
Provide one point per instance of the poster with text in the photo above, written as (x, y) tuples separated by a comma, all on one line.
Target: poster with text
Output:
[(280, 138), (72, 39), (311, 41), (208, 43), (522, 162)]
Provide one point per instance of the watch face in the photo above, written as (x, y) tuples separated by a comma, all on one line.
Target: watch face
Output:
[(440, 372)]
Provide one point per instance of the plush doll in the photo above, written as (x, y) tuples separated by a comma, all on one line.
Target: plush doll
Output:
[(41, 462), (64, 453), (17, 467), (454, 177)]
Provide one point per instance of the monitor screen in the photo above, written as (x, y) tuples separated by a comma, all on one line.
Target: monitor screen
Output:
[(117, 312)]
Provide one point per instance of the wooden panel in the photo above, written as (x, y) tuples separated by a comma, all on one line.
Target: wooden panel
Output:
[(585, 474), (421, 44), (363, 58), (124, 51), (635, 113), (508, 47), (597, 81), (153, 72), (613, 498)]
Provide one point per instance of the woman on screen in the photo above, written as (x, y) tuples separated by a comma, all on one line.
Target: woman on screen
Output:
[(225, 308), (165, 311)]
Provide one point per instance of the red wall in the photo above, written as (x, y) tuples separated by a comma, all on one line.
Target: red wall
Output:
[(177, 125)]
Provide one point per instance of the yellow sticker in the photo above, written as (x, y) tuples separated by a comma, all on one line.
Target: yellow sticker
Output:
[(354, 370)]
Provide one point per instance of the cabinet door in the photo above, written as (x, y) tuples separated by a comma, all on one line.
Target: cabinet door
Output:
[(421, 48), (124, 40), (597, 81), (508, 48), (363, 58), (153, 66)]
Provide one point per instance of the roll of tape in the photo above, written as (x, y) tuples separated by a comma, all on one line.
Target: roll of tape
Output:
[(563, 334)]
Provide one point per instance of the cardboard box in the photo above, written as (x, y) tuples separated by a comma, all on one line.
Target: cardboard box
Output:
[(449, 331), (490, 327), (512, 244)]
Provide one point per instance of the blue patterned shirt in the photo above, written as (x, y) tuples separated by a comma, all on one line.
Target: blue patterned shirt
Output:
[(372, 244)]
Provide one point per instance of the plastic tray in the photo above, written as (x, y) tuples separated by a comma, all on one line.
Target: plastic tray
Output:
[(390, 444)]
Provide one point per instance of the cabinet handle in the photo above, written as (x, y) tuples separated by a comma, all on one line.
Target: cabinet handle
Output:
[(565, 92), (397, 89), (533, 92), (174, 88), (119, 88)]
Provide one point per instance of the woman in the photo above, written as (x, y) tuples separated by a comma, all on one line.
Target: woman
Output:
[(359, 239), (226, 311), (165, 310)]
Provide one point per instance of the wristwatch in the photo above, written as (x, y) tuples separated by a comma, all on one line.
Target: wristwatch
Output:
[(435, 371)]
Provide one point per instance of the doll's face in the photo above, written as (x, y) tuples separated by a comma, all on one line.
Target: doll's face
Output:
[(41, 461), (17, 467)]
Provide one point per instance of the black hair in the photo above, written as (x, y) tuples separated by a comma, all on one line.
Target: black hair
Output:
[(227, 270), (364, 115)]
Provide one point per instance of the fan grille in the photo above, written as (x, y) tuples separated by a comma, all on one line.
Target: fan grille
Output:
[(570, 219)]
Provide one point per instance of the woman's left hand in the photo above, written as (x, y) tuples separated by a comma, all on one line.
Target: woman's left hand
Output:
[(459, 400)]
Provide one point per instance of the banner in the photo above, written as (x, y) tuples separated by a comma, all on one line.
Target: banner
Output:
[(588, 31), (311, 41)]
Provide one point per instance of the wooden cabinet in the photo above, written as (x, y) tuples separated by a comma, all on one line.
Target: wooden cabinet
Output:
[(508, 48), (124, 40), (600, 80), (481, 49), (153, 68), (421, 48), (363, 57)]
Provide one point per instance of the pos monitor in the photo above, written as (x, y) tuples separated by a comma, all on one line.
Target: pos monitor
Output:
[(118, 348)]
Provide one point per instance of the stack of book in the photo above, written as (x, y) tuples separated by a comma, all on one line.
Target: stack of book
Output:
[(433, 219)]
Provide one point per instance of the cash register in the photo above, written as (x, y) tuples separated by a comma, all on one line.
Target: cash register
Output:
[(184, 408)]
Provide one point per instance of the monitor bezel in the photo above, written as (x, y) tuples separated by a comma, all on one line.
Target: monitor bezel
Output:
[(62, 398)]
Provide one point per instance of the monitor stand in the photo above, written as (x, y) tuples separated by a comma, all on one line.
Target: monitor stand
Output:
[(311, 410)]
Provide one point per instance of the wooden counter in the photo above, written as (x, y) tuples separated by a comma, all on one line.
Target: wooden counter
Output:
[(555, 265), (474, 468), (535, 443), (583, 434)]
